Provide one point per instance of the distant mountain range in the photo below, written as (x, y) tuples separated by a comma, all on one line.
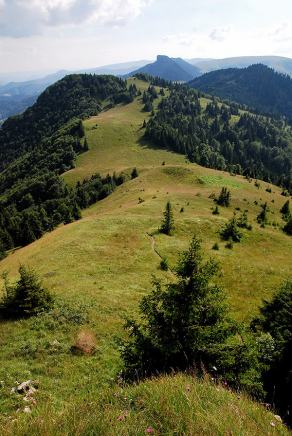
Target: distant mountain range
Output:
[(257, 86), (174, 69), (15, 97), (278, 63)]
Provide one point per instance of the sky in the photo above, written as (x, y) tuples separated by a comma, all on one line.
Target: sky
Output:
[(48, 35)]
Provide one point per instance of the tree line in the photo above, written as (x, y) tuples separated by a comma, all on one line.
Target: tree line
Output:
[(252, 145)]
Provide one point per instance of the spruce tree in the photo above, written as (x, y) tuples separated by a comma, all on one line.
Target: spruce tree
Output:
[(224, 198), (167, 226), (262, 217), (184, 324), (230, 231), (26, 298)]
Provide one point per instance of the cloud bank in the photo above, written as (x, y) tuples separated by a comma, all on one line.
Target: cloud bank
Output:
[(20, 18)]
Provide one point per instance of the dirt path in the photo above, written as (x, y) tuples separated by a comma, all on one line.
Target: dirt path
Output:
[(155, 251)]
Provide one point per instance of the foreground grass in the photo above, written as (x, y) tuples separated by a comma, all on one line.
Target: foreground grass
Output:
[(99, 268), (171, 405)]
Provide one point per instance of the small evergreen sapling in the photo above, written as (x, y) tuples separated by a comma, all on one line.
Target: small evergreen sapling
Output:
[(224, 198), (26, 298), (167, 226), (262, 217), (230, 231)]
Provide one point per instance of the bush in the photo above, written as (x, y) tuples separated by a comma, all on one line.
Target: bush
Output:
[(164, 264), (215, 246), (26, 298), (134, 173)]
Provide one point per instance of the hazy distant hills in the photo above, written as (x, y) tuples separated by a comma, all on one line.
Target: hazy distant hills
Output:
[(278, 63), (17, 96), (257, 86), (174, 69)]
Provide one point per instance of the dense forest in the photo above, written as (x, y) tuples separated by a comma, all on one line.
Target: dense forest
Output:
[(257, 86), (222, 136), (42, 143)]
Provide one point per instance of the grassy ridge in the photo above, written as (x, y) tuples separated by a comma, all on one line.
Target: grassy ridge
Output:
[(102, 265)]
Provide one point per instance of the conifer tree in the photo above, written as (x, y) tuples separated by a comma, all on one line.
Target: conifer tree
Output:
[(26, 298), (262, 217), (224, 198), (288, 227), (184, 324), (167, 226), (231, 231), (285, 211)]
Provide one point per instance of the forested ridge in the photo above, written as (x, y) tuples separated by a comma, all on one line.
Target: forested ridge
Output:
[(42, 143), (222, 136), (257, 86)]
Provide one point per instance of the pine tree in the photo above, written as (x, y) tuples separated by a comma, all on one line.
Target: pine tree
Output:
[(167, 226)]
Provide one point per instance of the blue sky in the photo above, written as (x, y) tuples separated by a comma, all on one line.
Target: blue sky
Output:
[(71, 34)]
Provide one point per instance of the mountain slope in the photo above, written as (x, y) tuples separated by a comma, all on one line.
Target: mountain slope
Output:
[(281, 64), (256, 86), (101, 266), (172, 69)]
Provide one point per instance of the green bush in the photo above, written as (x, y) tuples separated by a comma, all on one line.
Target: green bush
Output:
[(164, 264), (26, 298)]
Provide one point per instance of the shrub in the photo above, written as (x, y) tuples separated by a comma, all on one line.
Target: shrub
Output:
[(229, 245), (134, 173), (164, 264), (26, 298), (215, 246), (216, 211)]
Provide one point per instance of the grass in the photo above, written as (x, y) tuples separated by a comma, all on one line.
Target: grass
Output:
[(100, 267), (172, 405)]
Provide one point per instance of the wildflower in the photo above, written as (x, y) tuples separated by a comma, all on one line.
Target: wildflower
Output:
[(149, 430)]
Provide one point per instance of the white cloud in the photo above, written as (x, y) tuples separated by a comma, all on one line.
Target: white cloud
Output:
[(219, 34), (231, 41), (29, 17)]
